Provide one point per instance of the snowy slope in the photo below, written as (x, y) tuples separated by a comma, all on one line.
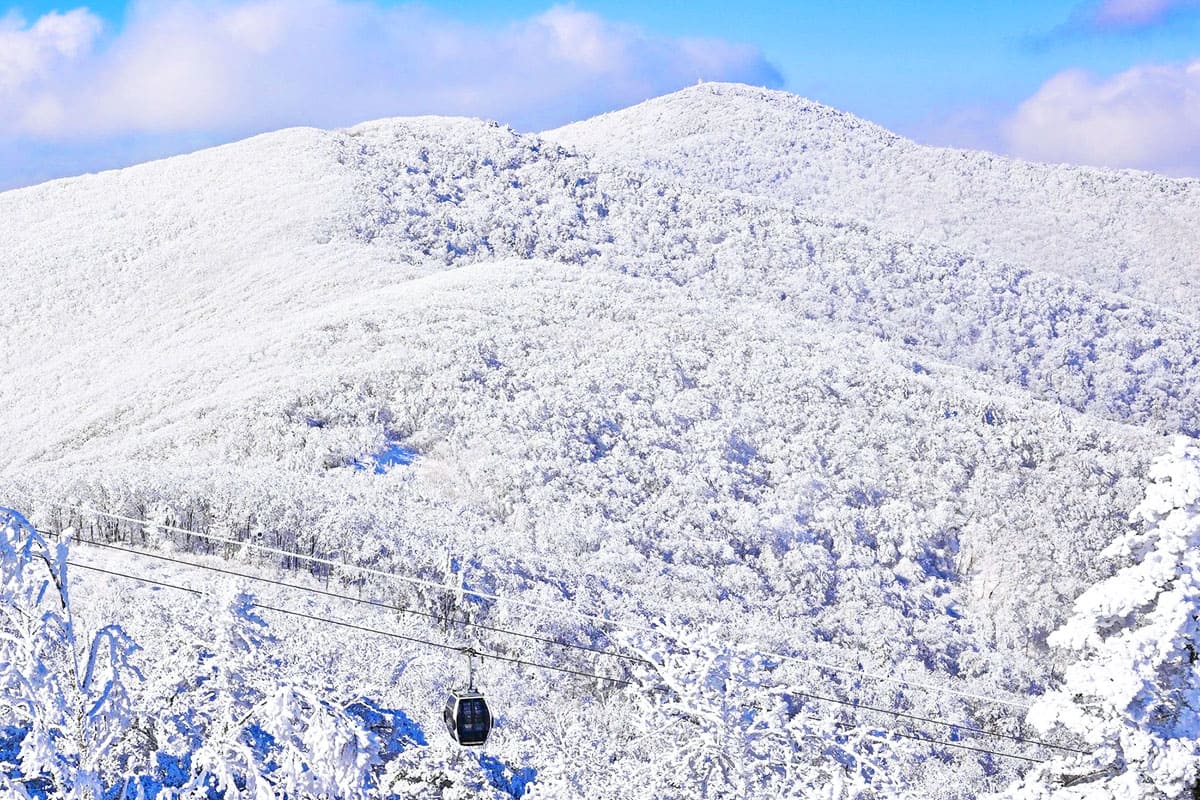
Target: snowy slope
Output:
[(250, 237), (1126, 231), (654, 386)]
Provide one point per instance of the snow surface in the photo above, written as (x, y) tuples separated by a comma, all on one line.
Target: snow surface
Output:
[(719, 367)]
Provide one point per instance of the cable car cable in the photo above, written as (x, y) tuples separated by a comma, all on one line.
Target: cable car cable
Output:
[(498, 598), (374, 603), (496, 656), (338, 564), (943, 742), (899, 714), (958, 746), (364, 629), (954, 725), (431, 584), (534, 664)]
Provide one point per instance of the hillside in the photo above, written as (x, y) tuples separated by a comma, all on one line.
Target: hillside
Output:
[(1124, 231), (627, 379)]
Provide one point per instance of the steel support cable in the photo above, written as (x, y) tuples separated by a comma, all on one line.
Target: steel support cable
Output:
[(341, 565), (1012, 703), (899, 714), (847, 726), (534, 664), (972, 729), (953, 725), (957, 746), (374, 603), (362, 628)]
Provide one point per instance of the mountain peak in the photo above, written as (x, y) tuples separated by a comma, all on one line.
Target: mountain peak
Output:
[(719, 109)]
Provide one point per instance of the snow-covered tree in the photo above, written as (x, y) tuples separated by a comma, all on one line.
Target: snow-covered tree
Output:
[(71, 701), (91, 728), (1133, 693), (440, 772), (718, 723), (249, 734)]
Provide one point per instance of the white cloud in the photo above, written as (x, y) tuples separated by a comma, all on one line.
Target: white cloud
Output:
[(259, 27), (243, 65), (1147, 117), (29, 53), (1135, 13), (584, 39)]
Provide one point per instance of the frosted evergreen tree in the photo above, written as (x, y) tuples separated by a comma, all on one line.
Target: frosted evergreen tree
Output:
[(1133, 694)]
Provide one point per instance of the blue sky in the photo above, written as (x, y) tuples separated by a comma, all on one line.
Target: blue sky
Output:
[(1110, 82)]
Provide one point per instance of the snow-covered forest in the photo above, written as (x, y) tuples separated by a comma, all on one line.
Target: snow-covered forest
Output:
[(759, 452)]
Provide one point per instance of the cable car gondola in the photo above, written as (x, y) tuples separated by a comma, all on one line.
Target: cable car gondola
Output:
[(467, 716)]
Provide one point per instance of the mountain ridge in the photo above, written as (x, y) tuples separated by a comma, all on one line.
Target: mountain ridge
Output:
[(985, 204)]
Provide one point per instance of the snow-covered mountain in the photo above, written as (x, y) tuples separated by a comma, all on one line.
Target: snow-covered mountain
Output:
[(1125, 231), (729, 364)]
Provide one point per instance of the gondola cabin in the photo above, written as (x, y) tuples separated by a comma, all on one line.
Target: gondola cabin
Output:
[(467, 717)]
